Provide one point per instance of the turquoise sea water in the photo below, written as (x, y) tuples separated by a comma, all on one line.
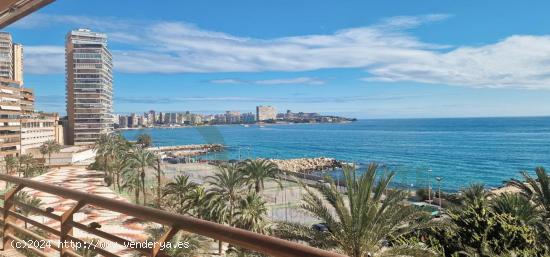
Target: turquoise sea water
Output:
[(461, 151)]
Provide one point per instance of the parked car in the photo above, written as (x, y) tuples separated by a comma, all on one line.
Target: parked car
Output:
[(320, 227)]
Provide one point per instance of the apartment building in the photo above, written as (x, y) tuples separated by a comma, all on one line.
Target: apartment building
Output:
[(89, 86), (264, 113), (10, 117)]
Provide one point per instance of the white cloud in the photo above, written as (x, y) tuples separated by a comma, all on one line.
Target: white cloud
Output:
[(386, 51), (226, 81), (300, 80), (44, 59), (280, 81)]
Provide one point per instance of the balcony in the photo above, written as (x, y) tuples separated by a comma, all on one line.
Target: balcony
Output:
[(13, 10), (174, 222)]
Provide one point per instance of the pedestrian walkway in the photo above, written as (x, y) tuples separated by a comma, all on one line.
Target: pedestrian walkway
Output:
[(89, 181)]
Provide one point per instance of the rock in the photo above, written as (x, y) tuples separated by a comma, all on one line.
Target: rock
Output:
[(307, 165)]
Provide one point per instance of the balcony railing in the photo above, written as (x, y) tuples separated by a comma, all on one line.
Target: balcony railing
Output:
[(242, 238)]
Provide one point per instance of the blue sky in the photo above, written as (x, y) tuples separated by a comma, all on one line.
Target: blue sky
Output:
[(364, 59)]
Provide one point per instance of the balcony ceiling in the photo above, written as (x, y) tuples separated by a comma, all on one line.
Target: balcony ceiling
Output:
[(13, 10)]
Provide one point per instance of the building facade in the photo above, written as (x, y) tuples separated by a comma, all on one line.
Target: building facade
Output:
[(6, 56), (17, 63), (264, 113), (10, 117), (11, 59), (39, 128), (89, 86)]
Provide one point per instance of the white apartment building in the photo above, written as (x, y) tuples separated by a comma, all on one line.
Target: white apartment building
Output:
[(89, 86), (264, 113)]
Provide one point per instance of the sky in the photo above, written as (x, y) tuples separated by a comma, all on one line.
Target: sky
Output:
[(356, 58)]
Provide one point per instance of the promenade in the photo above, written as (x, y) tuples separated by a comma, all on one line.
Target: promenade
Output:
[(89, 181)]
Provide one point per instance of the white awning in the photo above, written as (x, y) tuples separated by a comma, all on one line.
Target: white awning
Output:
[(11, 108)]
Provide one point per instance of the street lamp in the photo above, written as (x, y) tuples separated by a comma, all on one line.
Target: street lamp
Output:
[(439, 189), (429, 187)]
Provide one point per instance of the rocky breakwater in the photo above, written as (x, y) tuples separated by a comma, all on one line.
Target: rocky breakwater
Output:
[(308, 165), (187, 150)]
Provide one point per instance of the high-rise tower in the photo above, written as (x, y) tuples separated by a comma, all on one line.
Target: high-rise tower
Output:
[(6, 56), (89, 86)]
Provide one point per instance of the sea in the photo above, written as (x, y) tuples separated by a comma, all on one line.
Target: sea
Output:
[(460, 151)]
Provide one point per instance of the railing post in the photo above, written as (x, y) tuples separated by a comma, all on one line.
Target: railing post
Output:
[(67, 228), (167, 236), (8, 204)]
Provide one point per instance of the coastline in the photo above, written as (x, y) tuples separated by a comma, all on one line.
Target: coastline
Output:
[(237, 124), (458, 150)]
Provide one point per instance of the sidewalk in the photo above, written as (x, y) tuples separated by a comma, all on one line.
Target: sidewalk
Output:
[(89, 181)]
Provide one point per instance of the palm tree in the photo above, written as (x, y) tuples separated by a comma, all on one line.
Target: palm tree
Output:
[(26, 164), (518, 206), (11, 163), (227, 185), (106, 147), (361, 218), (251, 214), (27, 199), (199, 199), (474, 194), (101, 147), (144, 140), (536, 189), (143, 159), (51, 147), (180, 189), (132, 182), (120, 164), (194, 244), (260, 170), (43, 149), (159, 176)]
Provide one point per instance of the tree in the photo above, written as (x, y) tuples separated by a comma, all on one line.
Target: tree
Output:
[(101, 147), (132, 182), (199, 200), (251, 214), (260, 170), (43, 149), (106, 147), (27, 165), (143, 159), (27, 199), (483, 232), (194, 244), (144, 140), (120, 164), (475, 194), (10, 163), (518, 206), (484, 225), (51, 147), (227, 185), (536, 189), (179, 190), (360, 219), (158, 176)]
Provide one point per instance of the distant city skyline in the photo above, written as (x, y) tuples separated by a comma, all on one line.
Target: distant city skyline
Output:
[(394, 59)]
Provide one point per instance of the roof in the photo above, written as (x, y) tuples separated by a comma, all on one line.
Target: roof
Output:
[(13, 10)]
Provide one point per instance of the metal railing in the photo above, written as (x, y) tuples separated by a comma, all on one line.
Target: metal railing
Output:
[(242, 238)]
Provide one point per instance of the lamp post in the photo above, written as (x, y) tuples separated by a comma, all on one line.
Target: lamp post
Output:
[(429, 187), (439, 189)]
